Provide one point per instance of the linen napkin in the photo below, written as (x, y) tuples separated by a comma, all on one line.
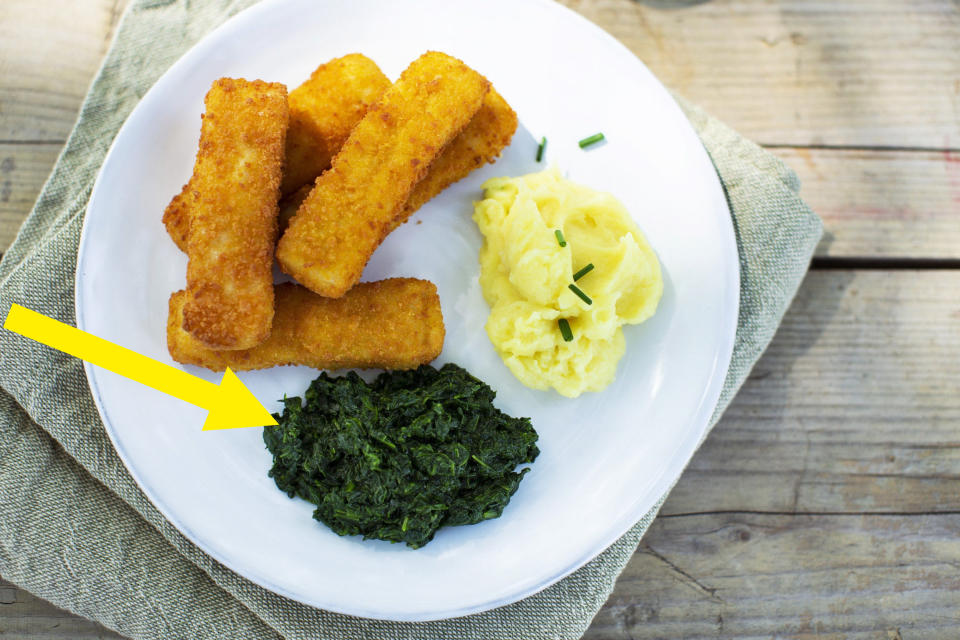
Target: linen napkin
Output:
[(75, 528)]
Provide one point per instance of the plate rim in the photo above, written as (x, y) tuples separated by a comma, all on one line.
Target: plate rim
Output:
[(661, 485)]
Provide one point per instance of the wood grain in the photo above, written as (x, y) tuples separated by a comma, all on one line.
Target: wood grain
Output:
[(878, 73), (799, 577), (24, 169), (25, 616), (882, 204), (853, 408), (49, 52), (792, 72)]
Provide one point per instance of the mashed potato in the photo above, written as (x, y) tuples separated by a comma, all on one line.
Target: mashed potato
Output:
[(525, 275)]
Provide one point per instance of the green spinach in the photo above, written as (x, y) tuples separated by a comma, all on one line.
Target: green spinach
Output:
[(401, 457)]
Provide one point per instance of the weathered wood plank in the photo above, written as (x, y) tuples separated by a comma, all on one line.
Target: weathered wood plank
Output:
[(791, 72), (764, 576), (49, 52), (882, 204), (796, 72), (853, 408), (23, 615), (24, 169)]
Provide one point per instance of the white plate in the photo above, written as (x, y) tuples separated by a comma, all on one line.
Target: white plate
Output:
[(606, 457)]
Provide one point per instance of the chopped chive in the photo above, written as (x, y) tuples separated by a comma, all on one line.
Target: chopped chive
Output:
[(560, 237), (541, 148), (579, 274), (586, 142), (580, 293), (565, 329)]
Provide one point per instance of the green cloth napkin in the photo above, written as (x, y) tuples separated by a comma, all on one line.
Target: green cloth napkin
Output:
[(75, 528)]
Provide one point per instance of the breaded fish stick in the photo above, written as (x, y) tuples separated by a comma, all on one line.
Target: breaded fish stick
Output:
[(390, 324), (323, 112), (338, 94), (353, 205), (480, 142), (290, 204), (176, 217), (233, 216)]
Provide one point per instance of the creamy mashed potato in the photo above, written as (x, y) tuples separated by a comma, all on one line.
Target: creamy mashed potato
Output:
[(525, 275)]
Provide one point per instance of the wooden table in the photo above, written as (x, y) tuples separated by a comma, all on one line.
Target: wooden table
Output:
[(827, 501)]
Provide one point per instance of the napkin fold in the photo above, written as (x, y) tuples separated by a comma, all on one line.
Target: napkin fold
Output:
[(74, 527)]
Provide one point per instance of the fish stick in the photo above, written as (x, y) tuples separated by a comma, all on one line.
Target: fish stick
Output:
[(353, 204), (176, 217), (480, 142), (290, 204), (323, 112), (233, 217), (390, 324), (487, 134)]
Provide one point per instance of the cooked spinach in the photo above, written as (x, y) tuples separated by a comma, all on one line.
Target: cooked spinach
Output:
[(401, 457)]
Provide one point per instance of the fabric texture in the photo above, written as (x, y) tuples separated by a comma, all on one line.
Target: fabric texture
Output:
[(75, 528)]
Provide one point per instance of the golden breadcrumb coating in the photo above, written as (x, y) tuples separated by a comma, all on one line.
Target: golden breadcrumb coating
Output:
[(176, 217), (323, 112), (233, 216), (390, 324), (354, 204), (480, 142), (290, 204)]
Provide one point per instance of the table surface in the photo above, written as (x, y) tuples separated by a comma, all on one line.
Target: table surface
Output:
[(826, 502)]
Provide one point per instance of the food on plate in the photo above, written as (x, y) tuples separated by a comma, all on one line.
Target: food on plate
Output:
[(439, 121), (562, 267), (176, 217), (591, 140), (401, 457), (323, 111), (290, 204), (390, 324), (481, 141), (354, 203), (233, 214)]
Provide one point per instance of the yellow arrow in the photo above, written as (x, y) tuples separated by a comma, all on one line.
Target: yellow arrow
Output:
[(230, 404)]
